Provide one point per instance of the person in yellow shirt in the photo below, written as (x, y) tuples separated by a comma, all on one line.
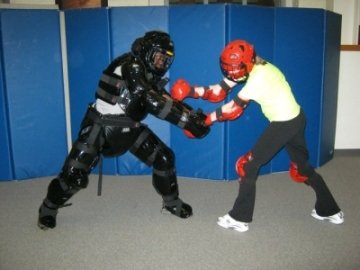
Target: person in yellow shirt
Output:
[(266, 85)]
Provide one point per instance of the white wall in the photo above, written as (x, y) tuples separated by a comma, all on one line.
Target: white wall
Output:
[(350, 10), (33, 2), (348, 111), (118, 3), (325, 4)]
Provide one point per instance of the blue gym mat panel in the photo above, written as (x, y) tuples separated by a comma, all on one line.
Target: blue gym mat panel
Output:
[(300, 54), (243, 132), (89, 53), (330, 86), (197, 60), (303, 43), (32, 71), (6, 166), (127, 24)]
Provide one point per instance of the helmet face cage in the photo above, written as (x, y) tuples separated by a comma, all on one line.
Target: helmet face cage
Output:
[(237, 60), (159, 60), (158, 52), (234, 72)]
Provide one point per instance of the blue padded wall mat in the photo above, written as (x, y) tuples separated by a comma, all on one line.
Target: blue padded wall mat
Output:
[(88, 48), (34, 91), (33, 121), (299, 38), (199, 35), (331, 82), (106, 34), (6, 166), (244, 132), (127, 24)]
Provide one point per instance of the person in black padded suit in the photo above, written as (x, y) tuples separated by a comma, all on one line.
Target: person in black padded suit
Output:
[(130, 88)]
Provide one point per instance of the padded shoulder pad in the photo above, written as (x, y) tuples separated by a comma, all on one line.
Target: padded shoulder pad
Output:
[(133, 69)]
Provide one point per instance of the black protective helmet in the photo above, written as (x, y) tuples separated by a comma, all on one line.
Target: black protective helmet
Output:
[(156, 51)]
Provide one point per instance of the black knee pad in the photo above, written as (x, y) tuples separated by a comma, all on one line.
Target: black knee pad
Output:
[(152, 151), (79, 163), (75, 178), (59, 192), (83, 156), (164, 175), (164, 159)]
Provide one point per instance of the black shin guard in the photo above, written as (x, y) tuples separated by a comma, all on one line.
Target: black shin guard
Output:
[(58, 194), (165, 183), (153, 152)]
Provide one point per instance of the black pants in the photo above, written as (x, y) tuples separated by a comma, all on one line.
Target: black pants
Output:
[(288, 134)]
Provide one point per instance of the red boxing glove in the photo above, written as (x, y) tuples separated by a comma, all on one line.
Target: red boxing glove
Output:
[(188, 134), (208, 121), (214, 97), (181, 89), (221, 116), (235, 112)]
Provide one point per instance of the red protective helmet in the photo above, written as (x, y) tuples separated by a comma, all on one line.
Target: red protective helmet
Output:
[(237, 60)]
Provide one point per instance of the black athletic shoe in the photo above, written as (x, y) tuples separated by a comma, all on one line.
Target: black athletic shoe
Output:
[(178, 208), (47, 217)]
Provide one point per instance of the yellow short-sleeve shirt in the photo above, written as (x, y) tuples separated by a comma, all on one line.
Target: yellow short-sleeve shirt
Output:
[(268, 87)]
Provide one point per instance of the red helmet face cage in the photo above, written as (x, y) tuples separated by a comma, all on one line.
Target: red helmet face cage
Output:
[(237, 60)]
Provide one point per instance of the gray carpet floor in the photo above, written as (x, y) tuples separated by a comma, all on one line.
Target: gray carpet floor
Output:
[(125, 229)]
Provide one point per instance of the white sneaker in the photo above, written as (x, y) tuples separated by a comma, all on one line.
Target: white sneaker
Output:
[(228, 222), (338, 218)]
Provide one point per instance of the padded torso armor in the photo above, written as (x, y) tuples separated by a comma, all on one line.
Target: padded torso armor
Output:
[(126, 82)]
